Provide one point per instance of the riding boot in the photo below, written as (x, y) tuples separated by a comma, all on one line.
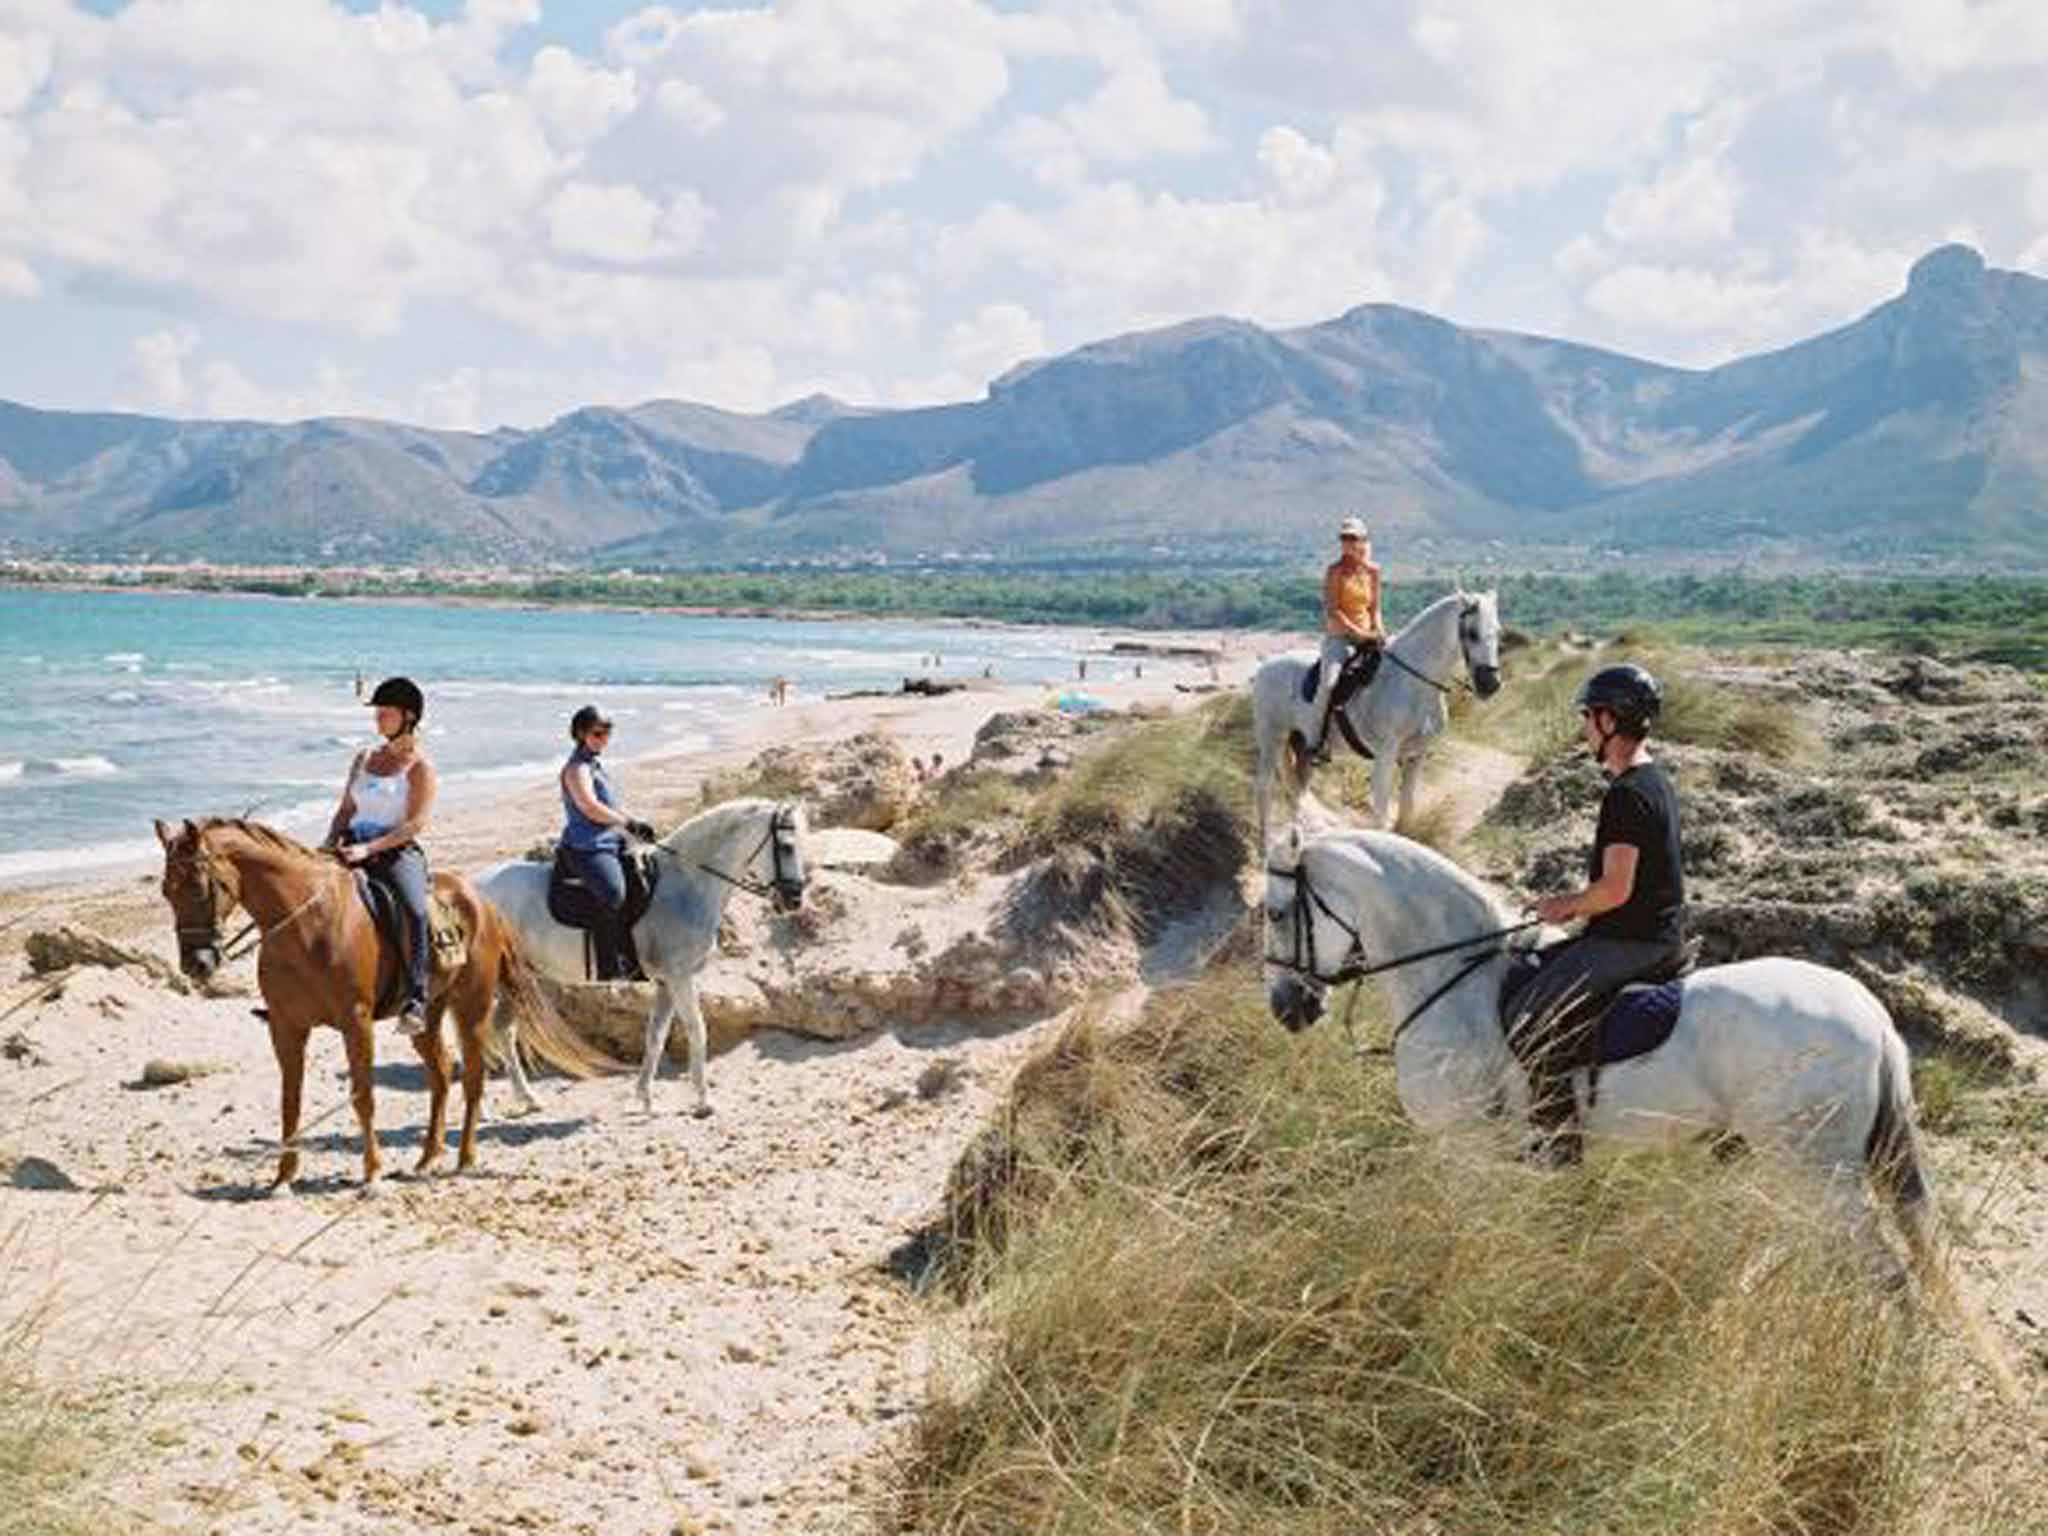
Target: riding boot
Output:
[(1319, 754), (1554, 1113)]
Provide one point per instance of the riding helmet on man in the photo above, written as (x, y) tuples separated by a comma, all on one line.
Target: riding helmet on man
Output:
[(1629, 693)]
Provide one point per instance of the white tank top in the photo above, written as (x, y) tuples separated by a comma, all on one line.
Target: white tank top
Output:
[(380, 801)]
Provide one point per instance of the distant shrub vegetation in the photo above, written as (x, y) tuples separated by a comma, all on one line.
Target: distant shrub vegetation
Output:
[(1992, 618)]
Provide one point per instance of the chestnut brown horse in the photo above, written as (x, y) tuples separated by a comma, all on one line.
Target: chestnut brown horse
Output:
[(321, 961)]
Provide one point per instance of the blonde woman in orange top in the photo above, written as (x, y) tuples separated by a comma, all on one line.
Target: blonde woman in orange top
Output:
[(1351, 616)]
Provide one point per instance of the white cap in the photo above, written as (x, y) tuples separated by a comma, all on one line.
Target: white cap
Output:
[(1352, 528)]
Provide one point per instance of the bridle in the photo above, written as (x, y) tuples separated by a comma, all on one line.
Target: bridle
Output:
[(789, 886), (1355, 964), (208, 936), (1466, 610)]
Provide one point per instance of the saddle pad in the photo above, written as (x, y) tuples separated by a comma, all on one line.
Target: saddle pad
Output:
[(450, 944), (1640, 1019)]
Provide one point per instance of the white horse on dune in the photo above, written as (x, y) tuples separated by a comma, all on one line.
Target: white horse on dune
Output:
[(753, 845), (1781, 1052), (1397, 717)]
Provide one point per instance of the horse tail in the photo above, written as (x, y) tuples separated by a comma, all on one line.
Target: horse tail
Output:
[(1891, 1153), (546, 1032)]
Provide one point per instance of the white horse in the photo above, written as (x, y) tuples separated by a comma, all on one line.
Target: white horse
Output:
[(1781, 1052), (750, 844), (1398, 716)]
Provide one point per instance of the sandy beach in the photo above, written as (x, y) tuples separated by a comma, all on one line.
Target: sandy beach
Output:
[(621, 1323)]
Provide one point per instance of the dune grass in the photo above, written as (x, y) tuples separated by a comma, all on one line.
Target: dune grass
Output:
[(46, 1450), (1535, 714), (1222, 1289)]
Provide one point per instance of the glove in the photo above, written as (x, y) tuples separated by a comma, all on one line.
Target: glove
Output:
[(641, 830)]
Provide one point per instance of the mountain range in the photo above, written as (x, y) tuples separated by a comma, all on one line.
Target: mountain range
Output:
[(1921, 428)]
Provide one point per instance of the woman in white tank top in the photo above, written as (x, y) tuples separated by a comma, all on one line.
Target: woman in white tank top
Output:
[(384, 808)]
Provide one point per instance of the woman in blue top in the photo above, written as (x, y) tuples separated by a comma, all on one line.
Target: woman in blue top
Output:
[(384, 807), (594, 832)]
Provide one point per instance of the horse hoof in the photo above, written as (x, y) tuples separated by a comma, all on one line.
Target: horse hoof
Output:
[(281, 1190), (701, 1112)]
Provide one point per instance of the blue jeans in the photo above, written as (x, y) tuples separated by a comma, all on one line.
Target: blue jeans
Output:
[(603, 874), (403, 871)]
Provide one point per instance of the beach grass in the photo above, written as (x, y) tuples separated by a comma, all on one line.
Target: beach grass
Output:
[(1221, 1287)]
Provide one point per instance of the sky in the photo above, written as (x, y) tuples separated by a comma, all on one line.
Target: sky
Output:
[(473, 213)]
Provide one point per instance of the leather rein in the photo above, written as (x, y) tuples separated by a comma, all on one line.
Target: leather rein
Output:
[(1465, 612), (783, 820), (1354, 965)]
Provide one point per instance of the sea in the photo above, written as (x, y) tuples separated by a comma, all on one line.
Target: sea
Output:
[(120, 707)]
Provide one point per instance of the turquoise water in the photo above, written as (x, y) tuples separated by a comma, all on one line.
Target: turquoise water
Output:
[(121, 707)]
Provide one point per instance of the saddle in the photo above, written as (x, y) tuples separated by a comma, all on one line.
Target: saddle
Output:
[(1603, 1028), (446, 936), (571, 904), (1357, 673)]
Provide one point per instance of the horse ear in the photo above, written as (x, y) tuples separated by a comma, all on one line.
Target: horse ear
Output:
[(163, 833)]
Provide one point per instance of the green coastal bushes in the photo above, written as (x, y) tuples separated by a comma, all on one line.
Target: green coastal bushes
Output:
[(1988, 617)]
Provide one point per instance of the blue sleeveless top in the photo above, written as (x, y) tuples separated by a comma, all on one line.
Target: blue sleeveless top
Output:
[(578, 830)]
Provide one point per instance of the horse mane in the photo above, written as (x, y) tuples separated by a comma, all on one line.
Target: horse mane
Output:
[(258, 832), (714, 823), (1391, 848), (1455, 595)]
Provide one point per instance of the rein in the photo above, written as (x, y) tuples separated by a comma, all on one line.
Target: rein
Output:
[(779, 822), (1354, 967), (1390, 654), (235, 948)]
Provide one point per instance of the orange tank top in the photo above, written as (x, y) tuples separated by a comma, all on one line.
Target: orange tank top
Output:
[(1354, 595)]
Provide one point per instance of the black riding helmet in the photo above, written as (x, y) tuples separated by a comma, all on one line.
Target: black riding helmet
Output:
[(1626, 691), (401, 693)]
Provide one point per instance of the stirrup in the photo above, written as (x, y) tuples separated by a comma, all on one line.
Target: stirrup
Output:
[(413, 1021)]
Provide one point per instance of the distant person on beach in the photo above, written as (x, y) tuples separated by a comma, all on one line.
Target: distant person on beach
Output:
[(359, 682), (1081, 669), (917, 767), (778, 691), (383, 810), (593, 842), (1351, 620)]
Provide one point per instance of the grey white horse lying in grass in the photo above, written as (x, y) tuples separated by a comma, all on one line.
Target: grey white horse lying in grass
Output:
[(750, 844)]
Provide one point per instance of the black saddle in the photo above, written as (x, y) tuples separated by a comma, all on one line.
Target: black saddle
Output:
[(1360, 668), (387, 916), (571, 904), (1623, 1024)]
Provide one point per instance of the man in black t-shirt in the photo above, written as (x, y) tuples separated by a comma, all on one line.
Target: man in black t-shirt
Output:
[(1634, 898)]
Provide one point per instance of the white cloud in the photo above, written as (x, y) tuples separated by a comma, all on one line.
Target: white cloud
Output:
[(154, 379), (1690, 204), (737, 198), (1301, 171), (995, 338), (1685, 300), (24, 66), (18, 279)]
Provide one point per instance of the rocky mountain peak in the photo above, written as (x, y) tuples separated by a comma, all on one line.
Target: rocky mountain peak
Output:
[(1946, 269)]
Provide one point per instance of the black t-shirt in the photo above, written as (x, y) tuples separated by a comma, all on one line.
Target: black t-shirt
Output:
[(1641, 811)]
